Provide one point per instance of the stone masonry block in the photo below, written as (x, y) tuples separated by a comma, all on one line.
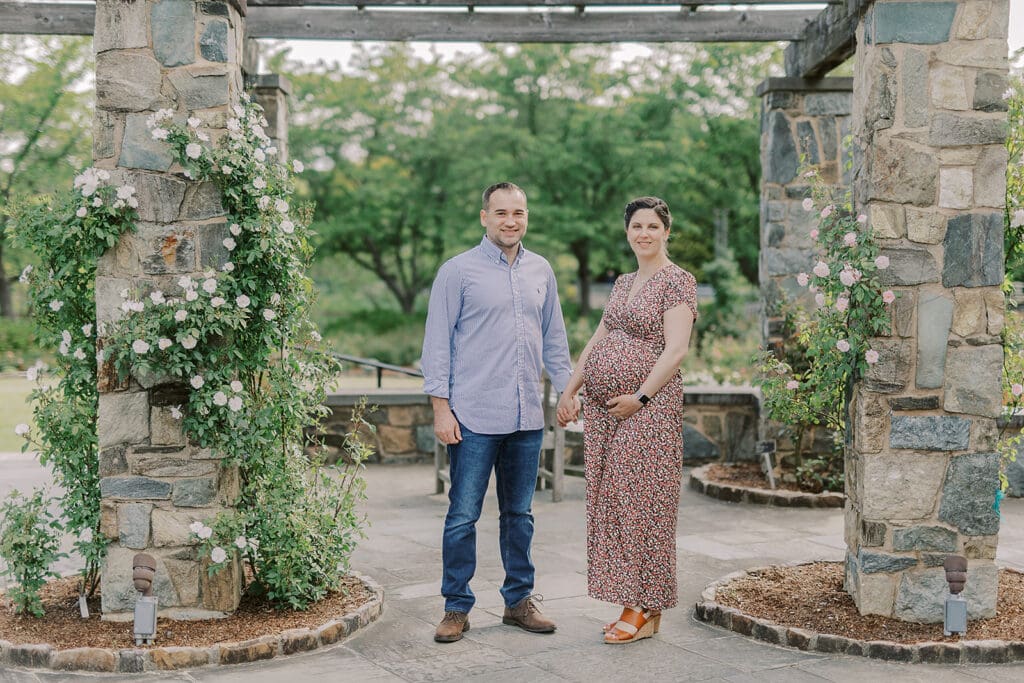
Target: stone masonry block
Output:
[(120, 26), (170, 527), (956, 188), (137, 488), (952, 130), (173, 20), (123, 418), (892, 371), (934, 319), (165, 430), (995, 310), (924, 226), (781, 160), (194, 492), (909, 266), (973, 250), (949, 87), (990, 177), (969, 312), (901, 486), (127, 81), (133, 524), (932, 538), (140, 150), (980, 19), (901, 173), (968, 494), (973, 382), (989, 87), (914, 77), (912, 22), (198, 89), (213, 44), (930, 432)]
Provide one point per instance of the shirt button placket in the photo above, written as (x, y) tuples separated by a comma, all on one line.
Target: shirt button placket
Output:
[(517, 306)]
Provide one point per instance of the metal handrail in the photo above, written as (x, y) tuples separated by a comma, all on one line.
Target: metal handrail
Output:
[(374, 363)]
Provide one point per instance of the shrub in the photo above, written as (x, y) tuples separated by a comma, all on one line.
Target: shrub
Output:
[(29, 545)]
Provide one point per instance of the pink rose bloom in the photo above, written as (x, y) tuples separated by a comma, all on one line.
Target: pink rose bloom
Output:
[(871, 356), (821, 269), (1017, 389), (842, 303), (827, 211), (850, 239), (814, 234), (792, 384), (846, 277), (843, 345), (808, 204), (819, 299), (862, 219), (888, 296), (882, 262), (801, 279)]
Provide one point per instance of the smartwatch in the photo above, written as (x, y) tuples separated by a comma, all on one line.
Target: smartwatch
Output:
[(643, 398)]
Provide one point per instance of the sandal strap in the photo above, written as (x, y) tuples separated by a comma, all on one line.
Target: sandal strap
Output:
[(633, 618)]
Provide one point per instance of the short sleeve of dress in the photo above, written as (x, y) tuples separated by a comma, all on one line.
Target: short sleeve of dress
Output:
[(680, 288)]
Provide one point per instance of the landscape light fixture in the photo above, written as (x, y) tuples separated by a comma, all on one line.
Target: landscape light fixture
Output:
[(143, 574), (955, 616)]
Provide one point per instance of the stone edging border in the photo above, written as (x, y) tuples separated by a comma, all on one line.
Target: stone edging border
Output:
[(747, 494), (139, 660), (962, 652)]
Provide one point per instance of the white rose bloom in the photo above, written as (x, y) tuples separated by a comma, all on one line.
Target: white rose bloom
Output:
[(259, 183), (242, 301), (235, 229), (157, 297), (287, 227), (315, 336), (23, 279), (133, 202), (79, 353), (185, 282), (176, 412), (217, 301), (220, 399), (260, 156), (137, 306), (196, 527), (125, 191), (97, 202), (297, 166), (240, 542), (189, 342), (159, 133), (193, 150), (86, 536), (21, 429), (82, 212), (275, 298), (235, 403), (197, 382), (140, 347), (205, 532), (269, 314), (180, 315), (236, 386), (263, 202), (272, 150), (281, 205), (32, 374), (56, 305), (233, 125), (193, 122), (210, 285), (65, 337), (163, 343), (229, 244), (191, 295), (218, 555), (202, 136), (228, 267), (87, 329), (226, 170)]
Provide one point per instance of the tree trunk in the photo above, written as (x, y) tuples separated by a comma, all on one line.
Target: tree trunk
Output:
[(6, 306), (581, 250)]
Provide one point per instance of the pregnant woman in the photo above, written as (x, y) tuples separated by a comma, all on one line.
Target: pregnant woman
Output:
[(633, 428)]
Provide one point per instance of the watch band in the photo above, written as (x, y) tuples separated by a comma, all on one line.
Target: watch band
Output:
[(643, 398)]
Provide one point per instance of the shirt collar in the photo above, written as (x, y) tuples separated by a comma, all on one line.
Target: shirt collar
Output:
[(494, 253)]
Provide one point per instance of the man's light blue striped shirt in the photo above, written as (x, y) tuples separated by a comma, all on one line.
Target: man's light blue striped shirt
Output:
[(491, 329)]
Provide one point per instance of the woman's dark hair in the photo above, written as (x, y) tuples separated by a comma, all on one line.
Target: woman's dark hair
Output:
[(659, 206)]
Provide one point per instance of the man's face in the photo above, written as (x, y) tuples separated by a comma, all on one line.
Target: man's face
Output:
[(505, 219)]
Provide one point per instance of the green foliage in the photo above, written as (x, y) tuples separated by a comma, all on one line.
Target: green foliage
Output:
[(1014, 238), (243, 340), (18, 343), (726, 316), (810, 382), (29, 545), (44, 125), (68, 232)]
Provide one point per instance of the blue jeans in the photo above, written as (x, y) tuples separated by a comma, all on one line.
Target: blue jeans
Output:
[(514, 458)]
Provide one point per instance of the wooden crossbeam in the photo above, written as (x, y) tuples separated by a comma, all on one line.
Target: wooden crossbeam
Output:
[(347, 23), (527, 3), (828, 41)]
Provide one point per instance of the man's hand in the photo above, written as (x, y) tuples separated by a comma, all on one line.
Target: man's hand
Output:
[(446, 427), (568, 409)]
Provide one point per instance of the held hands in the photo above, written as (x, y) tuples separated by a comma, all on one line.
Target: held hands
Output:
[(568, 409), (446, 427), (623, 406)]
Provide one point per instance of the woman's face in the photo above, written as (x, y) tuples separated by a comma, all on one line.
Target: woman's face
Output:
[(646, 233)]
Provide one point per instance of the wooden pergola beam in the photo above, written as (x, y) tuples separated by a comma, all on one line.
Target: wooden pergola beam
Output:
[(348, 23), (828, 41), (527, 3)]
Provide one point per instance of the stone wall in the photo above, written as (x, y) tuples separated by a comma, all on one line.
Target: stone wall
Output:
[(921, 473), (720, 424), (150, 55)]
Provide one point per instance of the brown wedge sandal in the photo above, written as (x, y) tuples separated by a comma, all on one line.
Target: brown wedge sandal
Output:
[(633, 625)]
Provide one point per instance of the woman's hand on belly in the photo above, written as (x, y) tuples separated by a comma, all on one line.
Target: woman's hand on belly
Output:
[(623, 406)]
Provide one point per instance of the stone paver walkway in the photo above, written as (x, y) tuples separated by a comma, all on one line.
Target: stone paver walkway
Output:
[(402, 552)]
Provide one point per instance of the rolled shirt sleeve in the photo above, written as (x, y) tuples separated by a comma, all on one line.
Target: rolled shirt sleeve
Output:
[(442, 314)]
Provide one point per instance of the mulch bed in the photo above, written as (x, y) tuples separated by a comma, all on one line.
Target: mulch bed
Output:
[(63, 628), (811, 597), (745, 474)]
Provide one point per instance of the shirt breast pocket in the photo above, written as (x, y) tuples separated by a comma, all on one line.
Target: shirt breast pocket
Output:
[(536, 294)]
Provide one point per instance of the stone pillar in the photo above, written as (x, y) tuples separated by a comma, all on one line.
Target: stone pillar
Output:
[(179, 55), (809, 119), (921, 471), (271, 92)]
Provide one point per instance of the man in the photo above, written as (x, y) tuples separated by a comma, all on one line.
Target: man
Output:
[(494, 320)]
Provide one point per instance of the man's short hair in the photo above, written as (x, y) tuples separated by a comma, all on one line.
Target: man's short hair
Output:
[(500, 186)]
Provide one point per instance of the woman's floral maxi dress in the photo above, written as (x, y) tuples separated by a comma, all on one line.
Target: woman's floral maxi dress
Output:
[(634, 466)]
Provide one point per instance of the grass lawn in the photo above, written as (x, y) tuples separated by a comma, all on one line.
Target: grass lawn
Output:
[(13, 392)]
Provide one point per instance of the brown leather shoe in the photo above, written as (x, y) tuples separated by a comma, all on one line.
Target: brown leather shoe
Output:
[(526, 616), (452, 627)]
